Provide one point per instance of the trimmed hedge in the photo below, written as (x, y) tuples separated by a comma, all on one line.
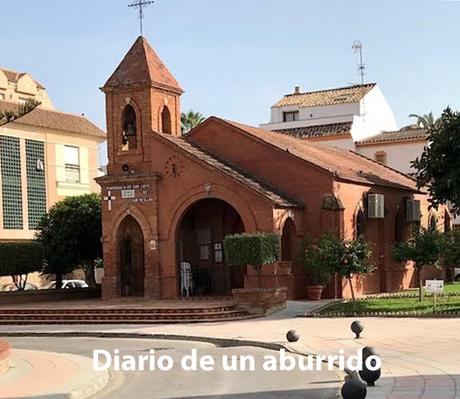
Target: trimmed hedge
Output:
[(255, 249), (20, 258)]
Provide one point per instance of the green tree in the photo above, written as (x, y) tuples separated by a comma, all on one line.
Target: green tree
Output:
[(438, 168), (423, 248), (425, 121), (22, 109), (19, 259), (190, 120), (346, 258), (71, 236), (254, 249), (451, 251)]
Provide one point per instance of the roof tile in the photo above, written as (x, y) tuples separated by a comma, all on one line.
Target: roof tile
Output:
[(50, 119), (341, 95)]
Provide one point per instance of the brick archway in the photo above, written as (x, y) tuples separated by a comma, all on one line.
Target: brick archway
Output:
[(199, 237), (217, 192), (130, 257)]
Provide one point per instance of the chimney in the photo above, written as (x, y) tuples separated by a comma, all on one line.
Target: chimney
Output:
[(297, 90)]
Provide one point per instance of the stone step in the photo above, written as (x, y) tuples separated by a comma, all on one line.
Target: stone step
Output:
[(125, 321), (181, 311), (128, 316)]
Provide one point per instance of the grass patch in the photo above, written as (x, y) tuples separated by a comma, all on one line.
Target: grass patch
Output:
[(397, 305), (452, 287)]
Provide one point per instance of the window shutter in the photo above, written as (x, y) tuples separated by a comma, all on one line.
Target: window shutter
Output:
[(376, 206)]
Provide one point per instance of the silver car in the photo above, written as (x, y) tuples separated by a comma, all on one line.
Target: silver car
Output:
[(457, 274)]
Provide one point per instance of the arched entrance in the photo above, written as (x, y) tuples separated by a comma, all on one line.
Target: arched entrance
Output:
[(200, 256), (288, 241), (130, 244)]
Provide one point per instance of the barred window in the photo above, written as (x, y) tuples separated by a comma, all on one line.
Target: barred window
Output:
[(36, 182), (11, 183)]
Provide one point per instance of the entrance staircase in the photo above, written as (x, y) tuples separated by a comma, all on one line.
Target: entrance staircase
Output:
[(179, 313)]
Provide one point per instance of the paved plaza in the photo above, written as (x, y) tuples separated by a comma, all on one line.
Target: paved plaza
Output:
[(421, 357)]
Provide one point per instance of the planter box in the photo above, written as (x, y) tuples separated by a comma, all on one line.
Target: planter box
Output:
[(261, 300)]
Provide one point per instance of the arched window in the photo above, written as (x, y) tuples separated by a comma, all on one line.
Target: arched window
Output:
[(129, 125), (288, 241), (360, 220), (166, 120), (400, 226)]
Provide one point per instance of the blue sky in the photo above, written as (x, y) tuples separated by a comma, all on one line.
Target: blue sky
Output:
[(235, 58)]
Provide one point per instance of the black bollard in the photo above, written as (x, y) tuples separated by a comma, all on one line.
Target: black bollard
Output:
[(368, 351), (370, 376), (292, 336), (357, 327), (354, 389)]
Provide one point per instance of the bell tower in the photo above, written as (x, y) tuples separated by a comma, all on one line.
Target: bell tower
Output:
[(142, 99)]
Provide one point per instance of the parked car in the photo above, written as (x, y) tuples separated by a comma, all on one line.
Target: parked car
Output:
[(68, 284), (12, 287), (457, 274)]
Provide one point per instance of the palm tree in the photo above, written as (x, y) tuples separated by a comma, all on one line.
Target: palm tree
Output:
[(425, 121), (23, 109), (190, 120)]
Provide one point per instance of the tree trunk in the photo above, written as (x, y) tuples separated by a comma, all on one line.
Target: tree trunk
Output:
[(20, 281), (90, 275), (352, 293), (420, 287), (58, 281)]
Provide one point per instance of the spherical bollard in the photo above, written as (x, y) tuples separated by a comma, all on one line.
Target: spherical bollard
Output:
[(292, 336), (368, 351), (370, 376), (354, 389), (357, 327)]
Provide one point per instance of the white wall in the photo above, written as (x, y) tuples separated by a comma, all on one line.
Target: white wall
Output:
[(376, 116), (399, 156)]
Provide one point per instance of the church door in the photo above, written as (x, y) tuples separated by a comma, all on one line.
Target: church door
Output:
[(131, 258)]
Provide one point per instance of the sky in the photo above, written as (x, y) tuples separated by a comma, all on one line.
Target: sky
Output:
[(236, 58)]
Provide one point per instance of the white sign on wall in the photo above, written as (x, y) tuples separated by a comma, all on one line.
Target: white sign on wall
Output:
[(126, 194), (434, 286)]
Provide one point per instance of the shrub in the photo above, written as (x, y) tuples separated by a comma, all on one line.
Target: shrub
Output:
[(256, 250), (19, 259)]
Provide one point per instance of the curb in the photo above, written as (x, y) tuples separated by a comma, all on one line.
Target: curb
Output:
[(220, 342), (91, 388)]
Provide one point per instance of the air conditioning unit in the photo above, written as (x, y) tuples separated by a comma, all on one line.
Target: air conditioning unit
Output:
[(375, 206), (413, 212)]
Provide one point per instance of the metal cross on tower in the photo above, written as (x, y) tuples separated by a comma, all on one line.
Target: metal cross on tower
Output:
[(141, 4)]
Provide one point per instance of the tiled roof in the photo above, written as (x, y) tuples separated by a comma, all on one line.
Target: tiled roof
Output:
[(344, 164), (407, 134), (49, 119), (341, 95), (14, 76), (333, 129), (274, 195), (142, 65)]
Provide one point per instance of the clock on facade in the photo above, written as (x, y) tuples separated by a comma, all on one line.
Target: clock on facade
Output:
[(174, 166)]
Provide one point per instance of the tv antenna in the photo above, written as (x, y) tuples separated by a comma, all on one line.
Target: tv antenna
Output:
[(141, 4), (357, 48)]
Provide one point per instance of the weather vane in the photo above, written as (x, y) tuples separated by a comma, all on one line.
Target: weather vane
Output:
[(141, 4)]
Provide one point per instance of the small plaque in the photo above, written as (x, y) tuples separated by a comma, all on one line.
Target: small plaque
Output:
[(128, 194)]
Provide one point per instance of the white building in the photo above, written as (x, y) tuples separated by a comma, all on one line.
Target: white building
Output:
[(355, 117)]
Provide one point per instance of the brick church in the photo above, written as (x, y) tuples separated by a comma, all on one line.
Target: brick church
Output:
[(170, 199)]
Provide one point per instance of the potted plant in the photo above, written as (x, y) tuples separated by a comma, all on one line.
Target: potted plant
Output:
[(318, 261)]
